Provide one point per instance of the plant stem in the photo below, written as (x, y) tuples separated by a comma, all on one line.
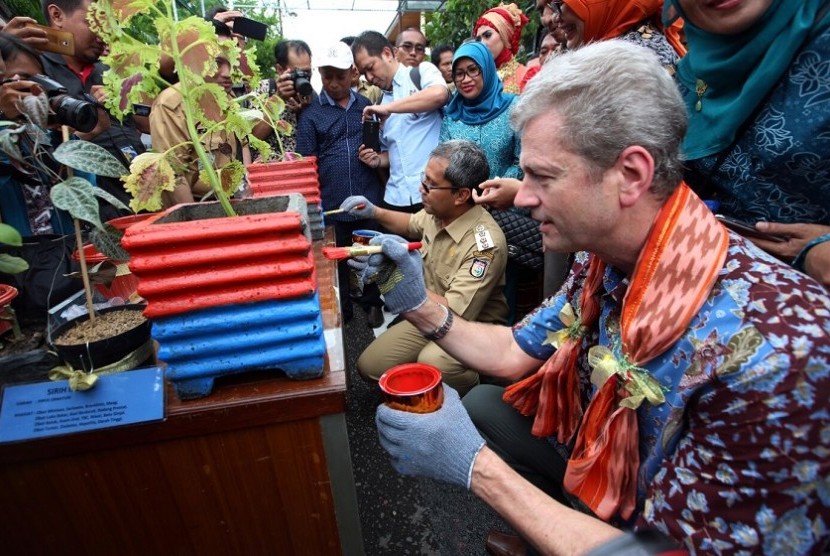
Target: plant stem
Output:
[(185, 90), (79, 242), (84, 274)]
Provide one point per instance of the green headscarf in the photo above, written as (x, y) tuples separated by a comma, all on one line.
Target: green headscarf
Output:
[(738, 71)]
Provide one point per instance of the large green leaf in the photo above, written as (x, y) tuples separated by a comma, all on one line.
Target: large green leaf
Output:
[(10, 236), (89, 157), (8, 142), (110, 198), (108, 241), (76, 196), (12, 265)]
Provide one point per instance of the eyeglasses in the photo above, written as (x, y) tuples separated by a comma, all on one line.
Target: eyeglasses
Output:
[(555, 6), (472, 70), (429, 186), (408, 46)]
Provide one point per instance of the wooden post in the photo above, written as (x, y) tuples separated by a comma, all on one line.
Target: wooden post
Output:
[(79, 242)]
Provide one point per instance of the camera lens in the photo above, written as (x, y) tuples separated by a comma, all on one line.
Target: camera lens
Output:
[(302, 85), (79, 114)]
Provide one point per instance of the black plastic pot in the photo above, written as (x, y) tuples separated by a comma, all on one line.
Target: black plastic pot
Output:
[(102, 352)]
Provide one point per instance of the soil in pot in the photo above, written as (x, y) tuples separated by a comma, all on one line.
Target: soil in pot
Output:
[(98, 347), (106, 325)]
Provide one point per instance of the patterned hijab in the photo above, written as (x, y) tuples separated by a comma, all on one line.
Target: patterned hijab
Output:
[(607, 19), (492, 100), (729, 76), (508, 21)]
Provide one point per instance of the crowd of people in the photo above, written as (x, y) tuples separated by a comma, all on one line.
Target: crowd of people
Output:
[(676, 377)]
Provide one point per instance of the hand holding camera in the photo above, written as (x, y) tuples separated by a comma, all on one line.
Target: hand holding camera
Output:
[(80, 114), (294, 86)]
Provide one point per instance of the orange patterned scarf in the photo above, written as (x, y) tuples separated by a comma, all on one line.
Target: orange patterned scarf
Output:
[(676, 270)]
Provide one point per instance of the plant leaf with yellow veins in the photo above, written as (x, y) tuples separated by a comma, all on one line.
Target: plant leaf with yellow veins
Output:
[(230, 175), (150, 175), (212, 101)]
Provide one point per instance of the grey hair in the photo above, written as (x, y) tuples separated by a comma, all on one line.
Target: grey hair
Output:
[(611, 95), (467, 165)]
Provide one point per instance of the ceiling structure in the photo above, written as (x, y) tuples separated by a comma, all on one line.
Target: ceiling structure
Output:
[(405, 13)]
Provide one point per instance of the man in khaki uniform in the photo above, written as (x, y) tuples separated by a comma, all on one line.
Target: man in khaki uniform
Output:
[(464, 254), (168, 128)]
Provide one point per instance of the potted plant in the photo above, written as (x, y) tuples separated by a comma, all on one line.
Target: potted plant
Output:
[(87, 342), (10, 265), (230, 286)]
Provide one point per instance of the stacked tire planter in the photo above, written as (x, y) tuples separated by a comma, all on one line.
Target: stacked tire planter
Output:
[(293, 176), (230, 294)]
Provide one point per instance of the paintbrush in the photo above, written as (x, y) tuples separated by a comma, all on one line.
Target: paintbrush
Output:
[(338, 211), (340, 253)]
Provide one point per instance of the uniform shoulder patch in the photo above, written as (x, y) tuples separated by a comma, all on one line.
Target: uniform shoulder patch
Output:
[(484, 240), (479, 268)]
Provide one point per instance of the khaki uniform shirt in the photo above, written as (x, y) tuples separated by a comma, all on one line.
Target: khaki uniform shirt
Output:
[(465, 263), (168, 127)]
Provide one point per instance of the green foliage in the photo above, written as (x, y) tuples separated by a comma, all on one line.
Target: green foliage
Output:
[(8, 263), (454, 24), (108, 242), (30, 8), (10, 236), (12, 265), (134, 76), (76, 196), (89, 157)]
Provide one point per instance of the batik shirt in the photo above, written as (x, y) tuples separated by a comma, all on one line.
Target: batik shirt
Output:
[(737, 460), (501, 145), (778, 169)]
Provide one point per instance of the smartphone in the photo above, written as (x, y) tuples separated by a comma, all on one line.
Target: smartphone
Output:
[(371, 134), (250, 28), (60, 42), (747, 229), (141, 109)]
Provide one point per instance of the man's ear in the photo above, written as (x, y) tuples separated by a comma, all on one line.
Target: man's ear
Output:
[(280, 69), (56, 16), (389, 52), (636, 168), (463, 195)]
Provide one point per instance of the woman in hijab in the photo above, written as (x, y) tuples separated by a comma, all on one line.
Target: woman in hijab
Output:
[(638, 21), (479, 110), (500, 29), (758, 102)]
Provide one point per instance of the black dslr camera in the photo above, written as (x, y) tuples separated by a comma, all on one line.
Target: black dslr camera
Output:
[(302, 82), (81, 114)]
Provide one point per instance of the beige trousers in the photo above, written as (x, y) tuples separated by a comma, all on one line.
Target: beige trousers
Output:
[(403, 343)]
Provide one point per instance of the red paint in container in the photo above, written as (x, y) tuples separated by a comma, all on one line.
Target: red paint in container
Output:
[(413, 387)]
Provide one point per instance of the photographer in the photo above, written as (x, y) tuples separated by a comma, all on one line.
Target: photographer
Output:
[(24, 186), (83, 73), (293, 85)]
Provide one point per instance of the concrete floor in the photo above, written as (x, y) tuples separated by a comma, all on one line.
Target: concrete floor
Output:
[(403, 515)]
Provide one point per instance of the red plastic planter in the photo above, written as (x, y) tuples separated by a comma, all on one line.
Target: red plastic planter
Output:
[(193, 257), (7, 294), (295, 176), (125, 282)]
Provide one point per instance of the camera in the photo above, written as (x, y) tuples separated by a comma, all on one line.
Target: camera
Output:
[(76, 113), (302, 82)]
